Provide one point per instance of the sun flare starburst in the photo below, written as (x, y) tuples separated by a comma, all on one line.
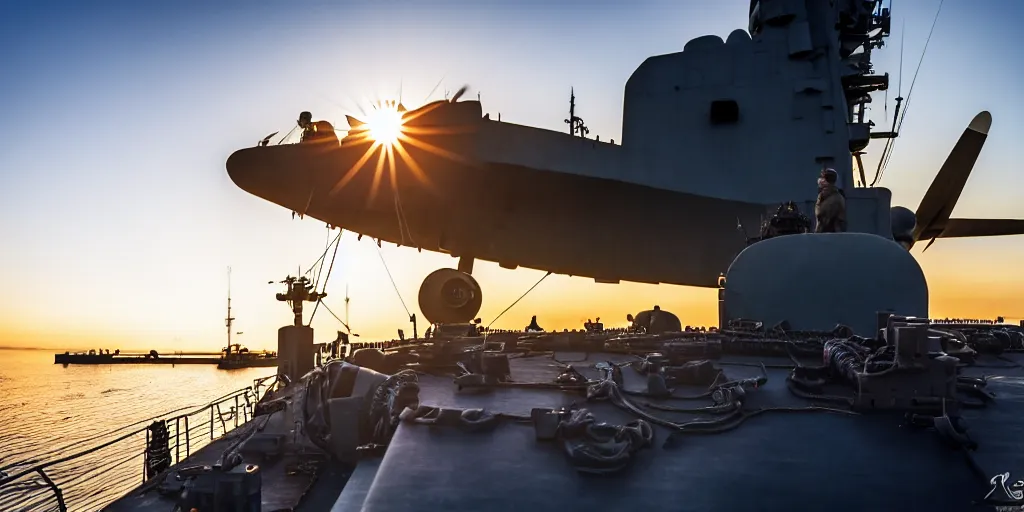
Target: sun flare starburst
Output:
[(385, 125), (390, 132)]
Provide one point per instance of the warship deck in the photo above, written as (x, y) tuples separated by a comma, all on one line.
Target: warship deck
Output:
[(784, 458)]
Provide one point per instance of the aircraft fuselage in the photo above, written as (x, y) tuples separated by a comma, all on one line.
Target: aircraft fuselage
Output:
[(513, 215)]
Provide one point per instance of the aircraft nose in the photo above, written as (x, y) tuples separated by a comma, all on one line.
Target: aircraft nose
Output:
[(260, 172), (243, 170)]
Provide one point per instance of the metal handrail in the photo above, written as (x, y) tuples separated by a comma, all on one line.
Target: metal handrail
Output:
[(183, 437)]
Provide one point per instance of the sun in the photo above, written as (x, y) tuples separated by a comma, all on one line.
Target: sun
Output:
[(385, 125), (390, 132)]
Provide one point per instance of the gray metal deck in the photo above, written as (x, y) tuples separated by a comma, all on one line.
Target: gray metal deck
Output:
[(774, 461)]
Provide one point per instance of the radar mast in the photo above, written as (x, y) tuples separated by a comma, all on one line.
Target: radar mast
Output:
[(230, 319), (576, 126)]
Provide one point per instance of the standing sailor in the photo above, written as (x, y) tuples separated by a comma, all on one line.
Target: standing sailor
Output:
[(314, 130), (830, 208)]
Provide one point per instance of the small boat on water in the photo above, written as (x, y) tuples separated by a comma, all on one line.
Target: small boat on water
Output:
[(234, 355), (237, 356), (90, 357)]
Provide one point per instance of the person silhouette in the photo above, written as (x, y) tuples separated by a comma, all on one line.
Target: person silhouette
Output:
[(534, 327), (314, 130), (830, 208)]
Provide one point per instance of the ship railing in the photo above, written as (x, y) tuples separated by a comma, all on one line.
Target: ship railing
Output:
[(69, 478)]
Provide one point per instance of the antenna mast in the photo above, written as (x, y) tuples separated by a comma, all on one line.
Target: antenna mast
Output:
[(347, 328), (576, 125), (230, 319)]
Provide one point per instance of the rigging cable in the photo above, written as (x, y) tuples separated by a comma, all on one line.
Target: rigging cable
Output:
[(517, 301), (336, 316), (897, 119), (320, 270), (329, 268), (899, 98), (324, 255), (432, 91), (386, 269), (885, 161), (289, 134)]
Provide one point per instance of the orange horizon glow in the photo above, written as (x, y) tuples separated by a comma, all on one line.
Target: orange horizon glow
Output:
[(561, 302)]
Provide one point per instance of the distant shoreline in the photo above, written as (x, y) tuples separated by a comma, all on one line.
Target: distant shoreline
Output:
[(124, 352)]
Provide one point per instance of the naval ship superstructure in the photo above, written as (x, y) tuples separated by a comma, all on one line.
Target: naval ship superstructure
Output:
[(715, 136), (796, 400)]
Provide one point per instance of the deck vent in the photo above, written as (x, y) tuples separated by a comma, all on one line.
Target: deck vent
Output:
[(724, 112)]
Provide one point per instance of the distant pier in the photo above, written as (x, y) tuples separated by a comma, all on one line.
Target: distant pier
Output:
[(151, 358)]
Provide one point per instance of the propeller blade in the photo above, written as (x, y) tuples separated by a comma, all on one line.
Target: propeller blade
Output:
[(459, 93), (944, 192)]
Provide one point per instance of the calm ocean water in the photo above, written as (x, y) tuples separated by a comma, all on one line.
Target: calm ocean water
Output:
[(48, 411)]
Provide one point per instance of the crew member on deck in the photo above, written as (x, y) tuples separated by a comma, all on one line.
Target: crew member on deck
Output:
[(830, 208), (314, 130), (533, 327)]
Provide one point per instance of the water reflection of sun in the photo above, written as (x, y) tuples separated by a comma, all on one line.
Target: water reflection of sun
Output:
[(387, 128)]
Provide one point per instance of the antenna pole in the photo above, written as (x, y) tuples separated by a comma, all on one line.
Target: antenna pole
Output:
[(572, 111), (575, 124), (230, 319)]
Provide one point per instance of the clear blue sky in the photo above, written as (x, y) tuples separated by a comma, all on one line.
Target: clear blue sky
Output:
[(116, 118)]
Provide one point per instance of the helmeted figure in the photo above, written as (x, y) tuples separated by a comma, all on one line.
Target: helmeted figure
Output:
[(830, 208), (314, 130)]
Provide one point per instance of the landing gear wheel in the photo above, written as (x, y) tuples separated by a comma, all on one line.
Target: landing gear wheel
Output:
[(448, 296)]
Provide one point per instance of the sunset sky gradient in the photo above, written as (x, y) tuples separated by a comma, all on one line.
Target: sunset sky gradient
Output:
[(118, 219)]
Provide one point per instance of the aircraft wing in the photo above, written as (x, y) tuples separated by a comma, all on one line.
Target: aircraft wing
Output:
[(962, 228)]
